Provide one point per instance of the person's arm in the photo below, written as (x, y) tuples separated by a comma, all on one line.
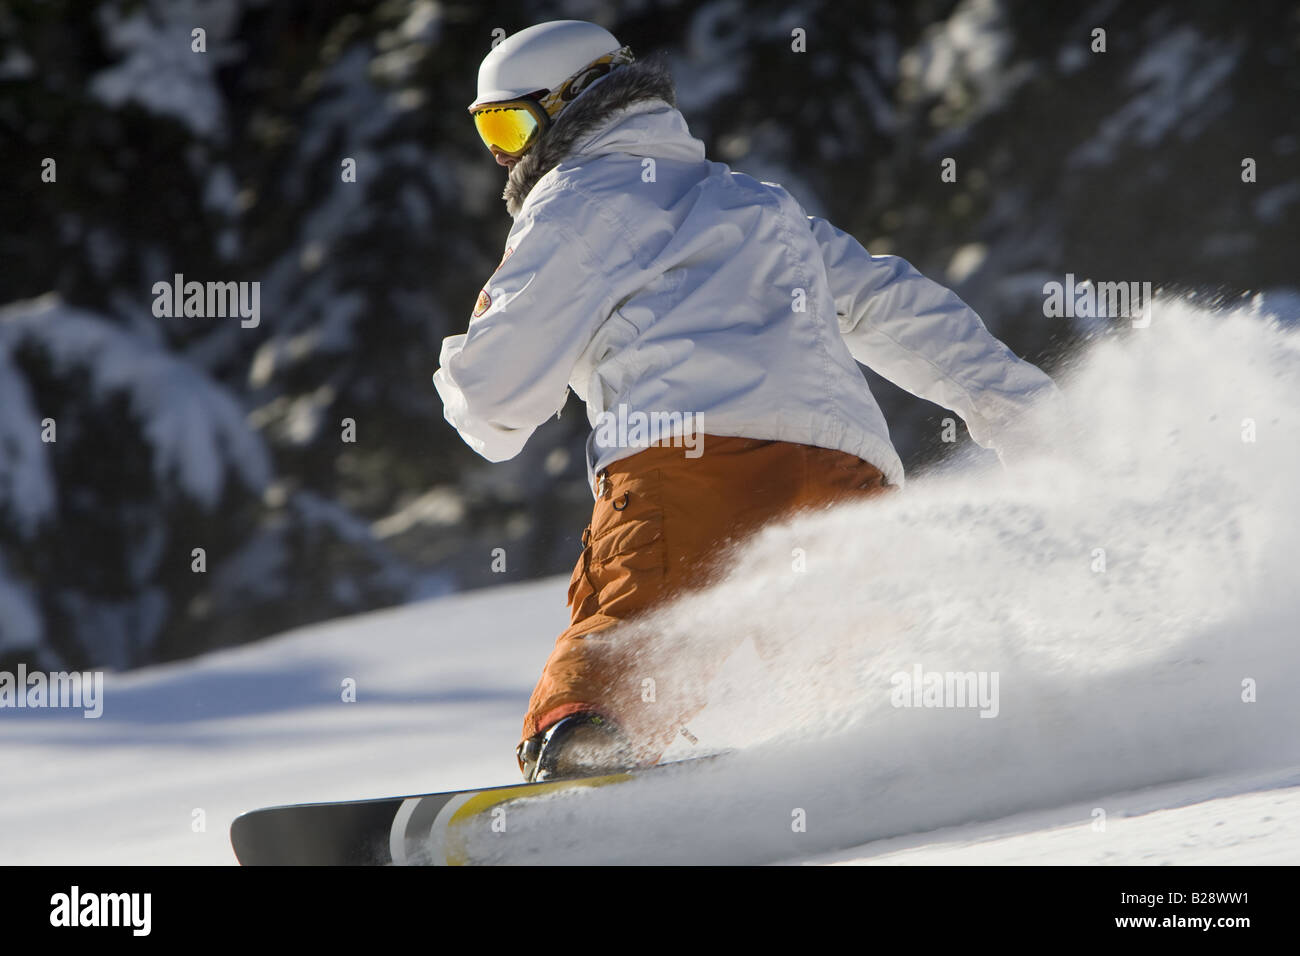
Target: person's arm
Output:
[(919, 335), (510, 371)]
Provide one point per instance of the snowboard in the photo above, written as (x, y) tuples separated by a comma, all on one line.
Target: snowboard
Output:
[(410, 830)]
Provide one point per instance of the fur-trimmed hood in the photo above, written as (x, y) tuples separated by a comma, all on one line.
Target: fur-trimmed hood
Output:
[(580, 120)]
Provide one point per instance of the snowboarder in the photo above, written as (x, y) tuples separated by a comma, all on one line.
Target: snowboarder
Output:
[(712, 328)]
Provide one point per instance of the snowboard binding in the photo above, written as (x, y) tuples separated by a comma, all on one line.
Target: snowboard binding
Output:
[(580, 745)]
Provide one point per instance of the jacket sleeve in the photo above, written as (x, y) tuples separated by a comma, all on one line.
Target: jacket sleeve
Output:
[(510, 371), (919, 335)]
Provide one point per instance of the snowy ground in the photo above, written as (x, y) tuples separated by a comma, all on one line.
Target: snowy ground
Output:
[(1136, 600), (437, 707)]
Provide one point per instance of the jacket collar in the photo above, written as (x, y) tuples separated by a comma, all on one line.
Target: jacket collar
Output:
[(582, 119)]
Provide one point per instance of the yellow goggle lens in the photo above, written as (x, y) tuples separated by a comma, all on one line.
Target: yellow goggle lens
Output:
[(510, 129)]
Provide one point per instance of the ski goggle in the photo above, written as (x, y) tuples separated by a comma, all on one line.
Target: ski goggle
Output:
[(512, 127)]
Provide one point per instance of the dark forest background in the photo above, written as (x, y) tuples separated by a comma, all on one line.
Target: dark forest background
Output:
[(175, 434)]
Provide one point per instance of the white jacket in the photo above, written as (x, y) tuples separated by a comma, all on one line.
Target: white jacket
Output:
[(640, 274)]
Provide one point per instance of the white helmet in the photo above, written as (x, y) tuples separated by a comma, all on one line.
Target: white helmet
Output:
[(541, 57)]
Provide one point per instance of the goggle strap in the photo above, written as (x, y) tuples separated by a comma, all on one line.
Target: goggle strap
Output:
[(567, 91)]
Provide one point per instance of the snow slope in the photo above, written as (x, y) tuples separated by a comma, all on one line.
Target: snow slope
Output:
[(1134, 594), (439, 701)]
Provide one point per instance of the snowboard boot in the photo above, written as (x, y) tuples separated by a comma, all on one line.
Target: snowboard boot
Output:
[(580, 745)]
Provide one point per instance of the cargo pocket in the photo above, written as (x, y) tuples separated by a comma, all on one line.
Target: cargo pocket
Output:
[(628, 554)]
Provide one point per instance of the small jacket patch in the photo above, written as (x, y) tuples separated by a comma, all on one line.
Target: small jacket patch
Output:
[(484, 303)]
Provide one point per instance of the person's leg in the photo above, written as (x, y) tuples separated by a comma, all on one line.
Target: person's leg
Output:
[(744, 485), (619, 575), (661, 526)]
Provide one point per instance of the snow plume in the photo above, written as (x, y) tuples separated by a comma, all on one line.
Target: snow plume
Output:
[(1132, 590)]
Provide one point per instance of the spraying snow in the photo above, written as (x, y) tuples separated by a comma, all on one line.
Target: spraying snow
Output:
[(1114, 612)]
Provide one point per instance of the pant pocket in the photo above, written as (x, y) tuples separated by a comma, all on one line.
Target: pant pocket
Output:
[(628, 553)]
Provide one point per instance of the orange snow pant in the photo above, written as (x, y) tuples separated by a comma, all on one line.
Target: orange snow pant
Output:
[(660, 526)]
